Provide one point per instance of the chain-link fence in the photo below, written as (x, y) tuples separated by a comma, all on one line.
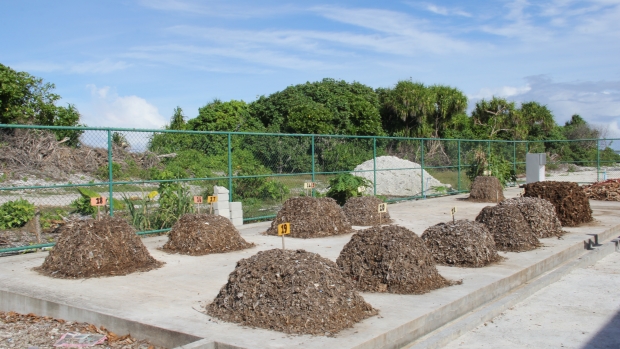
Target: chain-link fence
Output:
[(151, 176)]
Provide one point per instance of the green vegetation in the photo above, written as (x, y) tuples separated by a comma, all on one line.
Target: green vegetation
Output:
[(15, 213), (344, 186)]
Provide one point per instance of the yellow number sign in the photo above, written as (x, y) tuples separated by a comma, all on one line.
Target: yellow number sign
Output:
[(453, 210), (211, 199), (284, 229), (100, 201), (382, 208)]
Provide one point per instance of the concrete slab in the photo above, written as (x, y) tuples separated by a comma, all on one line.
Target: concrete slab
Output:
[(172, 298)]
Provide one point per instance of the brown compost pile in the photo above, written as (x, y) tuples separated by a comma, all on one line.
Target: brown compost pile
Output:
[(311, 218), (510, 230), (390, 259), (462, 243), (539, 214), (201, 233), (486, 189), (363, 210), (571, 204), (608, 190), (93, 248), (291, 291)]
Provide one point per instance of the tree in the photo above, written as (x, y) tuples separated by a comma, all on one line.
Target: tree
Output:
[(447, 103), (405, 108), (499, 119), (177, 122)]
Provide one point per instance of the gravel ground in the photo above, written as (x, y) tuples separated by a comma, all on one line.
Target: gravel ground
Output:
[(36, 332)]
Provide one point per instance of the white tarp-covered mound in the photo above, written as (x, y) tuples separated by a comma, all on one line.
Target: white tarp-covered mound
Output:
[(394, 182)]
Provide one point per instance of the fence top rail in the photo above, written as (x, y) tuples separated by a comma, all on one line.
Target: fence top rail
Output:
[(117, 129)]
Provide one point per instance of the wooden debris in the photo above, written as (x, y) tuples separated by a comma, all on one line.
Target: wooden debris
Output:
[(486, 189), (570, 202), (510, 230), (363, 211)]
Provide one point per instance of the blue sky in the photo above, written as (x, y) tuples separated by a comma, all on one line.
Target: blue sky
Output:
[(129, 63)]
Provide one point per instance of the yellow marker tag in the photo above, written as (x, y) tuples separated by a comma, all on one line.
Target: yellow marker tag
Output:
[(284, 229), (309, 185), (100, 201), (211, 199), (453, 210), (198, 199), (153, 194), (382, 208)]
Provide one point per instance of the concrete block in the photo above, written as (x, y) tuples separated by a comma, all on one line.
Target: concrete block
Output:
[(222, 198), (236, 206), (219, 190), (236, 214), (221, 205), (237, 221), (225, 213)]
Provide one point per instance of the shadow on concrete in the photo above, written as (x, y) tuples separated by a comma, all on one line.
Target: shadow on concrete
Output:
[(608, 337)]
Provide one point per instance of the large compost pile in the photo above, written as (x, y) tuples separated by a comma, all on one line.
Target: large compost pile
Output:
[(390, 259), (571, 204), (510, 230), (539, 214), (608, 190), (200, 234), (364, 211), (486, 189), (311, 218), (462, 243), (290, 291), (94, 248)]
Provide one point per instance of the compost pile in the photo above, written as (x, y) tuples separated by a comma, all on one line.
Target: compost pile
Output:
[(608, 190), (486, 189), (510, 230), (94, 248), (462, 243), (571, 204), (200, 234), (390, 259), (290, 291), (539, 214), (311, 218), (364, 211)]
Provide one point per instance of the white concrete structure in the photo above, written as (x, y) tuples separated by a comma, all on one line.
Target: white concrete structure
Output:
[(535, 167), (230, 210)]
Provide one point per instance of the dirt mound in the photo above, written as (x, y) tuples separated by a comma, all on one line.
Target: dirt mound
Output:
[(364, 211), (539, 214), (311, 218), (94, 248), (390, 259), (463, 243), (608, 190), (571, 204), (510, 230), (290, 291), (486, 189), (200, 234)]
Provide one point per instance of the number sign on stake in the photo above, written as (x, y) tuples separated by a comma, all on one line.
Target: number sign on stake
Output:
[(284, 229), (211, 199), (453, 212), (98, 202), (309, 185), (198, 201), (382, 209)]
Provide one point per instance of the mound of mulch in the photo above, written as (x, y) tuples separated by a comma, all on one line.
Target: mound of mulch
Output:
[(390, 259), (486, 189), (94, 248), (539, 214), (201, 233), (608, 190), (510, 229), (311, 218), (363, 210), (290, 291), (462, 243), (571, 204)]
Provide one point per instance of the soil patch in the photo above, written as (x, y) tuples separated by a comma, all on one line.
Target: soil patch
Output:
[(198, 234), (539, 214), (462, 243), (486, 189), (290, 291), (311, 218), (571, 204), (510, 230), (94, 248), (608, 190), (364, 211), (390, 259)]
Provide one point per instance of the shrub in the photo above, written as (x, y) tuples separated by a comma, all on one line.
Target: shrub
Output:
[(344, 186), (16, 213)]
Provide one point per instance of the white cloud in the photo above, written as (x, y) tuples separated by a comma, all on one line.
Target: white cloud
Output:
[(89, 67), (504, 92)]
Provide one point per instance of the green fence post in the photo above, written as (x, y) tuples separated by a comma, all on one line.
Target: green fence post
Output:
[(230, 185), (489, 156), (313, 171), (422, 167), (598, 159), (458, 186), (110, 178), (374, 164), (514, 159)]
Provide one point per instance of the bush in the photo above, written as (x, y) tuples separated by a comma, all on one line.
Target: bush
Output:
[(16, 213), (344, 186), (499, 167)]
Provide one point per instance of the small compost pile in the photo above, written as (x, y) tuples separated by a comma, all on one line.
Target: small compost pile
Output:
[(94, 248), (390, 259), (462, 243), (571, 204), (290, 291), (311, 218), (200, 234), (364, 211), (539, 214), (486, 189), (510, 230), (608, 190)]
